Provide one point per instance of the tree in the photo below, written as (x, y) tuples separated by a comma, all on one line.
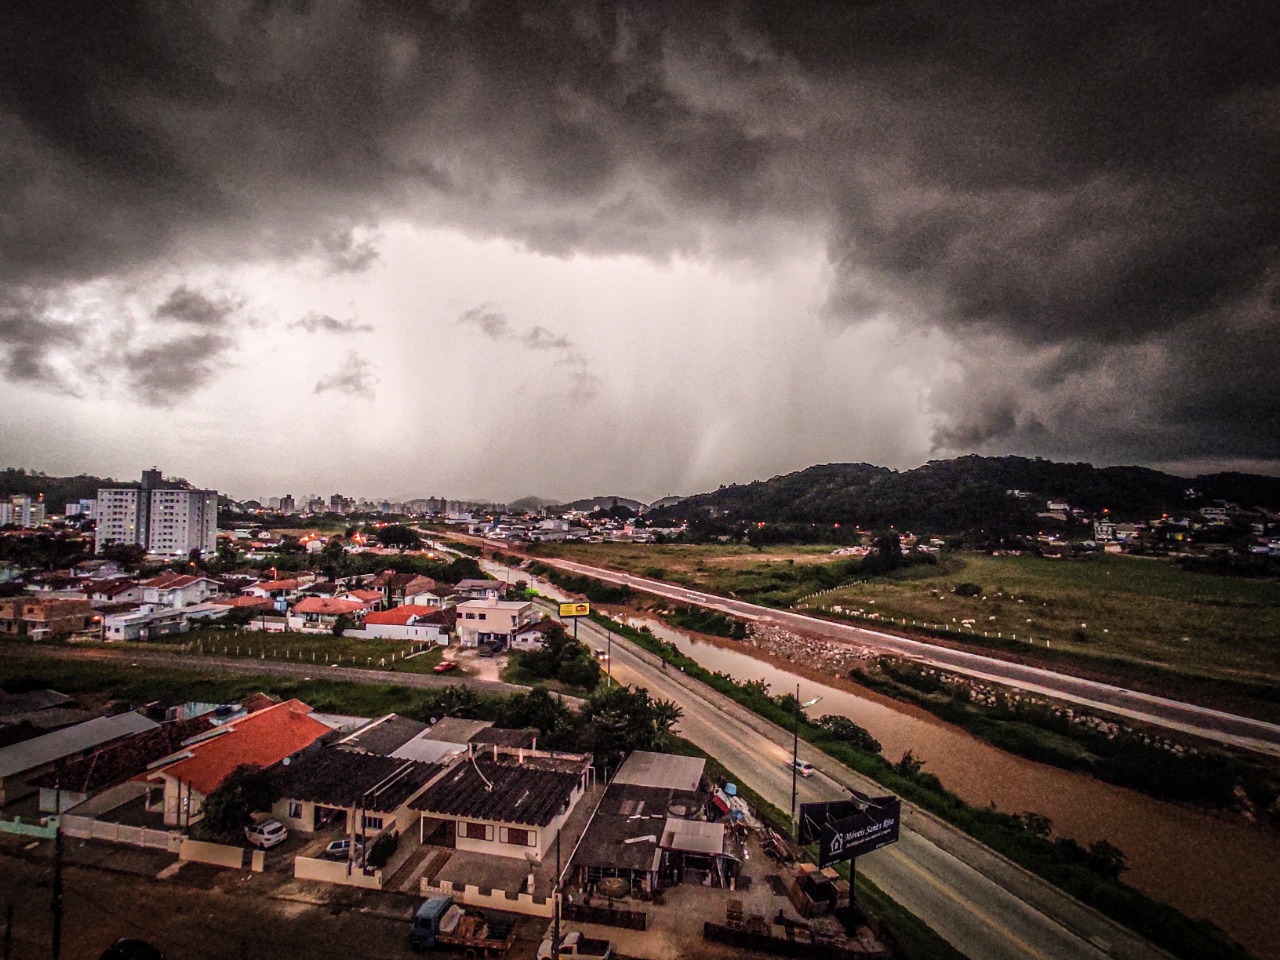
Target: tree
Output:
[(618, 720), (245, 790), (850, 733), (400, 537), (128, 555)]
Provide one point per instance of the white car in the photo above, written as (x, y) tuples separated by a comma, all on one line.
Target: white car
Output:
[(266, 834), (805, 768)]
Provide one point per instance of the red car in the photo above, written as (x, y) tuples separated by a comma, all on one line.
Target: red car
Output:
[(444, 666)]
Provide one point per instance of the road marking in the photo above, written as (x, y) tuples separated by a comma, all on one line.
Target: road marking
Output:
[(973, 908)]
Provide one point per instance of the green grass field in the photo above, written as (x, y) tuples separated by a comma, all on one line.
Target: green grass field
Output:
[(1133, 610), (1113, 613), (320, 649)]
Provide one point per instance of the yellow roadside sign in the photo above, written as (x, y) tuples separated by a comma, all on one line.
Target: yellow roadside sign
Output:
[(575, 609)]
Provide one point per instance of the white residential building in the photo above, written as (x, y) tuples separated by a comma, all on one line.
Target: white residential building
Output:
[(165, 519), (483, 621), (23, 512)]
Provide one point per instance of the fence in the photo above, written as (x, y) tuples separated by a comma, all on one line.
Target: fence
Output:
[(491, 899), (330, 871), (627, 919), (89, 829), (44, 831), (818, 946)]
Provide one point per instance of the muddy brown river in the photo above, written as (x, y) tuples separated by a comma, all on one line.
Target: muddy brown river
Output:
[(1217, 867)]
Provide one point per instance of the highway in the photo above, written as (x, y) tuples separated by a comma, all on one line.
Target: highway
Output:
[(1239, 731), (984, 905)]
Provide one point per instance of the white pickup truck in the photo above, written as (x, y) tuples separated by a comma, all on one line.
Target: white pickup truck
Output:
[(575, 945)]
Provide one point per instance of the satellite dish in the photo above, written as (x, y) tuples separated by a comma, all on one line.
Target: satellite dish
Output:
[(286, 760)]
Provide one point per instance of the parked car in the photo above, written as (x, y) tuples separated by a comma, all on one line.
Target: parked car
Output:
[(444, 666), (576, 945), (341, 850), (805, 768), (267, 834)]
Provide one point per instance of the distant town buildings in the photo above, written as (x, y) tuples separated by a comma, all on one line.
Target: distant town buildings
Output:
[(163, 517), (22, 511)]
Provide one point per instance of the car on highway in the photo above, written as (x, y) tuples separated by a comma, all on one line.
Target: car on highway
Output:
[(444, 666), (805, 768), (267, 834)]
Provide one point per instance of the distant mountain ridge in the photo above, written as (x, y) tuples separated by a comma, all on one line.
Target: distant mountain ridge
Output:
[(970, 492), (589, 504)]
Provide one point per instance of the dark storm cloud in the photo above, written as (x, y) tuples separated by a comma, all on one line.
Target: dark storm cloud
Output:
[(323, 323), (30, 347), (165, 373), (355, 378), (185, 305), (1089, 179)]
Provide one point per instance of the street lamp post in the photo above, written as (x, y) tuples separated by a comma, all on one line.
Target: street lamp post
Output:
[(795, 756)]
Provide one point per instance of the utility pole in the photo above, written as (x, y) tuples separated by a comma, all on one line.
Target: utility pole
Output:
[(795, 755), (8, 932), (55, 942), (555, 896)]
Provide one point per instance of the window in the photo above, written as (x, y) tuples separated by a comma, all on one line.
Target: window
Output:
[(518, 837), (295, 809), (477, 831), (480, 616), (372, 823)]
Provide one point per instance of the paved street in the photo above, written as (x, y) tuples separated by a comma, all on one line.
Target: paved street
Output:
[(987, 907), (1212, 724)]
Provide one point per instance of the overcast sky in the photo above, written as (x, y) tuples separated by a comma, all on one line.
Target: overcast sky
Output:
[(493, 249)]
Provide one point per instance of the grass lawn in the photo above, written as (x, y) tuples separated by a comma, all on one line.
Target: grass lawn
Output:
[(144, 684), (300, 647), (515, 672), (1129, 609), (1136, 613)]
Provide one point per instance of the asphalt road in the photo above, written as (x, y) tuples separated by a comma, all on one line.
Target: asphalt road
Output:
[(984, 905), (1239, 731)]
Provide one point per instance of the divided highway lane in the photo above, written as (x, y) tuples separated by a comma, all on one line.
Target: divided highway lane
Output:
[(1239, 731), (987, 907)]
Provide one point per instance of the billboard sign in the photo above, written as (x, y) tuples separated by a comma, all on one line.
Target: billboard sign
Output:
[(850, 828), (575, 609)]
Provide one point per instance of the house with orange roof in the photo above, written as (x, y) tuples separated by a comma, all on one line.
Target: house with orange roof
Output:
[(415, 623), (179, 785), (320, 614), (374, 598)]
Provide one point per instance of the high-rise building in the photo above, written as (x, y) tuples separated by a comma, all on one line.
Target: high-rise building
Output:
[(287, 504), (165, 518), (22, 511)]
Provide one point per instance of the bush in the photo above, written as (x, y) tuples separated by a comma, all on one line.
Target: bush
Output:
[(382, 849), (967, 590)]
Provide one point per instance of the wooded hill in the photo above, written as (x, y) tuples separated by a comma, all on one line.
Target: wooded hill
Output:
[(967, 493)]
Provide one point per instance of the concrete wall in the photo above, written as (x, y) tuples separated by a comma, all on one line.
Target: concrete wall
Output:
[(473, 896), (327, 871), (90, 829), (220, 855)]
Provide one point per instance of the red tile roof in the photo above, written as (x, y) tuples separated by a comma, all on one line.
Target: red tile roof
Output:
[(364, 594), (328, 606), (251, 603), (399, 616), (275, 585), (259, 740)]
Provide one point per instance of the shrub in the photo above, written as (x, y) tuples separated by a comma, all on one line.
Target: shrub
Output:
[(967, 590), (382, 849)]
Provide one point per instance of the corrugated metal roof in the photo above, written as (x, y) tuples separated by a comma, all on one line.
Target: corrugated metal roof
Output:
[(65, 743), (645, 769)]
